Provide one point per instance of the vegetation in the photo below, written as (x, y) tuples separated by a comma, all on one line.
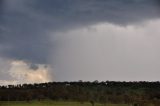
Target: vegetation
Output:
[(104, 93), (53, 103)]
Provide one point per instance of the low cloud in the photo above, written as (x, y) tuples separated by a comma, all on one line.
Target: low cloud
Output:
[(20, 72), (24, 74), (107, 51)]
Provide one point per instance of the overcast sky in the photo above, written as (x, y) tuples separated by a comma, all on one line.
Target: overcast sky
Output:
[(71, 40)]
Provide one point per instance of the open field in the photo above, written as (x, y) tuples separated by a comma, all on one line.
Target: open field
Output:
[(51, 103)]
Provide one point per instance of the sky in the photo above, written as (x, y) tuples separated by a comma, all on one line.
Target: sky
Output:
[(72, 40)]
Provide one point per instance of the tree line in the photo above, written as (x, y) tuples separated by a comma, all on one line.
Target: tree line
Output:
[(102, 92)]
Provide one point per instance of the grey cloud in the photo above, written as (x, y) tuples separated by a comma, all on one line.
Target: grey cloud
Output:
[(4, 64), (34, 66), (26, 22), (109, 52)]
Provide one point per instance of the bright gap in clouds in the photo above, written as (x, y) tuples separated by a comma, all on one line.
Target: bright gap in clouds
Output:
[(108, 52), (21, 72)]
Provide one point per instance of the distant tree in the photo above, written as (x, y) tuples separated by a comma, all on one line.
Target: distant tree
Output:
[(92, 102), (103, 99), (28, 96)]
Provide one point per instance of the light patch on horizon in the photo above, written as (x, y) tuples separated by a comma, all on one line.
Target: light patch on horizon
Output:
[(22, 73), (107, 51), (8, 82)]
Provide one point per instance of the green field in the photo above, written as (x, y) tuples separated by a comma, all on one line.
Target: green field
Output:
[(52, 103)]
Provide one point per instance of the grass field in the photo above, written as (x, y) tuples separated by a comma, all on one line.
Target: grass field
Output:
[(52, 103)]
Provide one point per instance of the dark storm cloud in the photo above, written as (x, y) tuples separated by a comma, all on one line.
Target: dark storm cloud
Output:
[(34, 66), (24, 24)]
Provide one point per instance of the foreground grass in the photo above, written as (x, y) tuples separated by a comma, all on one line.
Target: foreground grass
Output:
[(52, 103)]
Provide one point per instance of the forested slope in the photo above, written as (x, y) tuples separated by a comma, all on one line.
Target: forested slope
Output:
[(101, 92)]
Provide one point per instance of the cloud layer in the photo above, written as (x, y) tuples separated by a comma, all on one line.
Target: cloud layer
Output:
[(39, 33), (107, 51), (25, 24)]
